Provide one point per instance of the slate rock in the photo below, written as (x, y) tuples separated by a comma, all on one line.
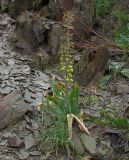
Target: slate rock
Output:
[(6, 135), (126, 97), (24, 155), (4, 143), (6, 90), (89, 143), (29, 142), (15, 142), (34, 124), (122, 89), (12, 108), (4, 70), (34, 153), (54, 38), (102, 151), (27, 96), (77, 145), (35, 158)]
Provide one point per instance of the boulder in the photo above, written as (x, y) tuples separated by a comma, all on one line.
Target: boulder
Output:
[(12, 108)]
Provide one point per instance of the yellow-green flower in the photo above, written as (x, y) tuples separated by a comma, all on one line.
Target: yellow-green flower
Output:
[(66, 48)]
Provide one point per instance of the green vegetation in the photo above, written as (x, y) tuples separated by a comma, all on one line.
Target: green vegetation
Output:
[(64, 99), (121, 14), (103, 6), (122, 37), (122, 29), (116, 69), (59, 105), (104, 81), (111, 121), (125, 73)]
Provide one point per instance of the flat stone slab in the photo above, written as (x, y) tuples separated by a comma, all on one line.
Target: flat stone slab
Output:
[(12, 108), (122, 89), (89, 143)]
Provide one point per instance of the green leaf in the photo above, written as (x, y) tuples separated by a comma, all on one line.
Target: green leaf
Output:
[(125, 73), (73, 99)]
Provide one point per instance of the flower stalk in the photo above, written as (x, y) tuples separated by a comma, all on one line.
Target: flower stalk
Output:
[(66, 48)]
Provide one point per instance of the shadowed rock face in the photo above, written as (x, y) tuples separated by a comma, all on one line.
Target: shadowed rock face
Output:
[(82, 9), (33, 32), (91, 66), (18, 6), (58, 7), (15, 8), (39, 37)]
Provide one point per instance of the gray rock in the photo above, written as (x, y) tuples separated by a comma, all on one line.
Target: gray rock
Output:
[(29, 142), (36, 158), (44, 77), (6, 135), (126, 97), (34, 153), (11, 62), (27, 96), (77, 145), (3, 85), (89, 143), (5, 77), (43, 84), (6, 90), (34, 124), (4, 143), (4, 70), (26, 69), (54, 38), (102, 151), (122, 89), (23, 155), (15, 142), (12, 108)]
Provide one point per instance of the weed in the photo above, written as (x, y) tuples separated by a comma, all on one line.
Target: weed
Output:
[(102, 6), (115, 68), (58, 109), (115, 121), (56, 129), (104, 81), (125, 73), (111, 121), (64, 100), (121, 16), (122, 28), (122, 37)]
